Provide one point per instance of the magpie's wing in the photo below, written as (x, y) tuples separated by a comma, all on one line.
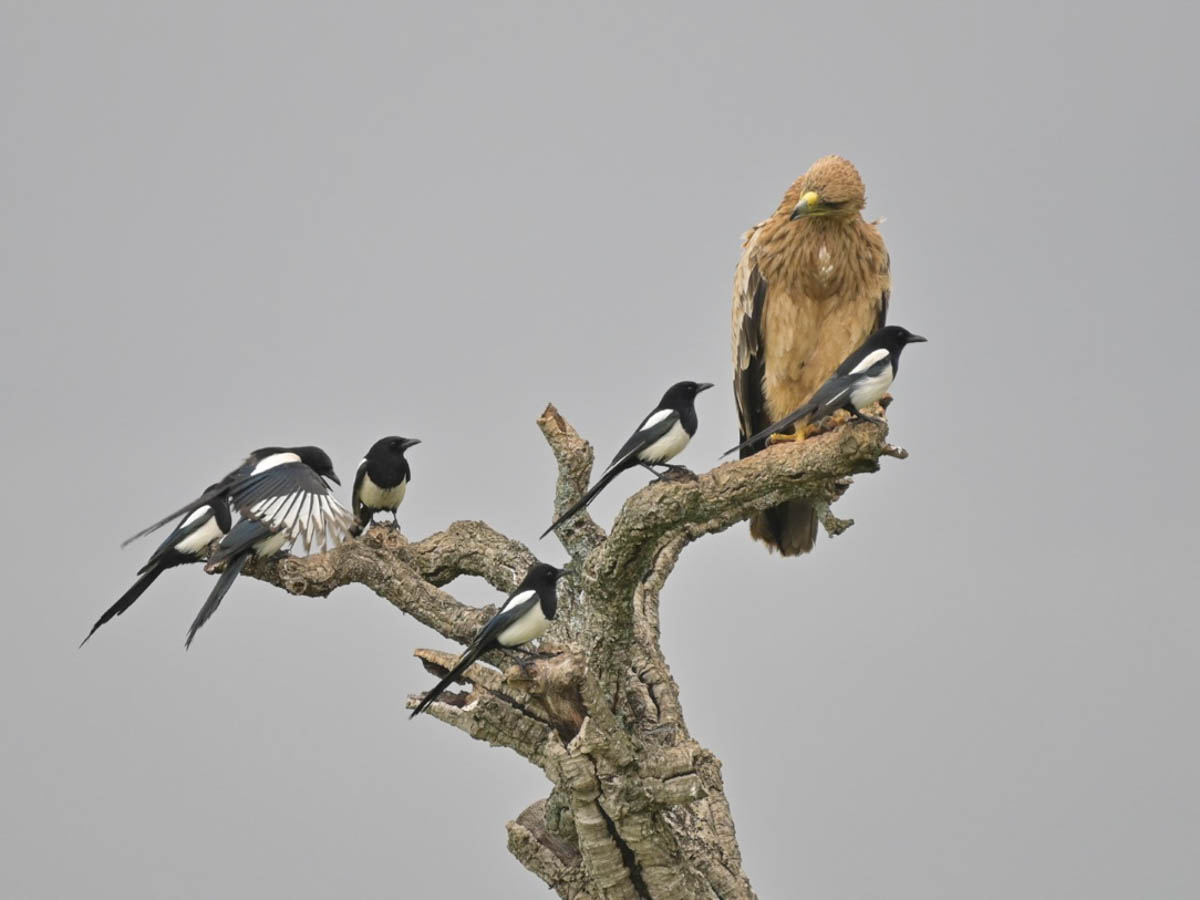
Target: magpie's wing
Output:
[(749, 351), (355, 499), (200, 501), (190, 524), (292, 497), (514, 607), (212, 492), (653, 427)]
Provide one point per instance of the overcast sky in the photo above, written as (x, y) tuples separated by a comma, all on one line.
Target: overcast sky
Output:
[(224, 225)]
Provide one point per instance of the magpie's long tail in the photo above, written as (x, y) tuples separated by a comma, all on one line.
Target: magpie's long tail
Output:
[(218, 594), (587, 498), (806, 410), (464, 661), (127, 599)]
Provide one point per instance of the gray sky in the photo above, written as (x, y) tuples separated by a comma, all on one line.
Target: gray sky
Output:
[(235, 224)]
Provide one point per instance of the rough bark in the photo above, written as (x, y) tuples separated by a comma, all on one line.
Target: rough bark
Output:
[(638, 807)]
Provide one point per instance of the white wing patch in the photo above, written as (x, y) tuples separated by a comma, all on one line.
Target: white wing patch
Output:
[(275, 459), (654, 418), (195, 516), (196, 542), (517, 600), (869, 360)]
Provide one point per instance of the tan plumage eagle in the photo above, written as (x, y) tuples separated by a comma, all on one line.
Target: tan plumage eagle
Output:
[(812, 283)]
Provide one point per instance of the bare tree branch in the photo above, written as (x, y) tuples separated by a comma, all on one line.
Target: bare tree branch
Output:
[(638, 807)]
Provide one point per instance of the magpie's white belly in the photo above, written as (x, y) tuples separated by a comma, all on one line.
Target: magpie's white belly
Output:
[(869, 390), (667, 446), (272, 545), (376, 497), (529, 627), (196, 542)]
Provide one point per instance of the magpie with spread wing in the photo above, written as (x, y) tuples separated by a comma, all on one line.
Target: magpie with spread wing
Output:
[(381, 481), (254, 464), (524, 617), (661, 436), (187, 543), (861, 380), (284, 500)]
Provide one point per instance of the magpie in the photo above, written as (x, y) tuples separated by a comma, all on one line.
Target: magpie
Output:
[(285, 499), (255, 464), (381, 480), (524, 617), (862, 379), (661, 436), (187, 543)]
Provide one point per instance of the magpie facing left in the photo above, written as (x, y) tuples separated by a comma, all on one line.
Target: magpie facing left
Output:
[(524, 617), (862, 379), (661, 436), (381, 480), (188, 543), (254, 464), (284, 499)]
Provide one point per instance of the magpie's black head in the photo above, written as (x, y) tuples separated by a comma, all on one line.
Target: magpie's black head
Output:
[(392, 446), (317, 460), (683, 394), (540, 575), (893, 338)]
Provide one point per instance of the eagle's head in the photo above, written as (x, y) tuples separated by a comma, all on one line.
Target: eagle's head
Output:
[(830, 187)]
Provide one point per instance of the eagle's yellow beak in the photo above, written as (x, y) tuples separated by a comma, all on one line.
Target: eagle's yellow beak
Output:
[(809, 203)]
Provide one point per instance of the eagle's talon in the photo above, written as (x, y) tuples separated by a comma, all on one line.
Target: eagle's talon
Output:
[(780, 437)]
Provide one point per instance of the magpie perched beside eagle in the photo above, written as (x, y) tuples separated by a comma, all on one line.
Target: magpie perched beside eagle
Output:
[(812, 284)]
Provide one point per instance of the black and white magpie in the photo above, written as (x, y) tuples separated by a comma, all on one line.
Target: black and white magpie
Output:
[(187, 543), (253, 465), (381, 480), (284, 499), (661, 436), (524, 617), (862, 379)]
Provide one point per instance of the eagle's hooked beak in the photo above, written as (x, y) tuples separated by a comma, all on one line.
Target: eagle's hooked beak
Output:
[(809, 203)]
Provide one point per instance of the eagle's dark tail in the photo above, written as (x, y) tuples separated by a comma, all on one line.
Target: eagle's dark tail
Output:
[(127, 599), (459, 667), (586, 498), (224, 583), (790, 528)]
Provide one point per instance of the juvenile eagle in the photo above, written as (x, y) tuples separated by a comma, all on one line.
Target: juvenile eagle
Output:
[(812, 283)]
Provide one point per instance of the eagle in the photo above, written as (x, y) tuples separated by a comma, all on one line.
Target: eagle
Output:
[(812, 283)]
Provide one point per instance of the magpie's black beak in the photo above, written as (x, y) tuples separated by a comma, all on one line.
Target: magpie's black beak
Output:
[(915, 339), (332, 477), (702, 386), (411, 442)]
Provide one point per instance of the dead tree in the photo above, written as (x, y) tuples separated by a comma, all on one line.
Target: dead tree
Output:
[(638, 807)]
